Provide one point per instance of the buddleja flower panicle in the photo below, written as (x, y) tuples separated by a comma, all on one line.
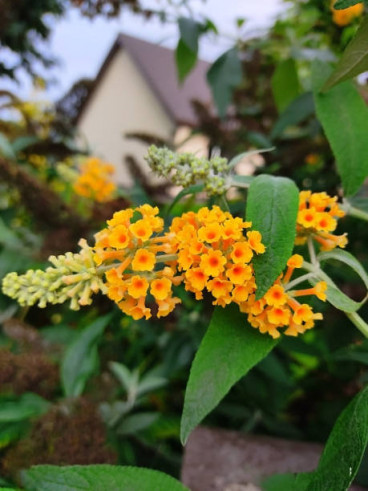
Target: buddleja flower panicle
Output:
[(185, 169), (137, 265)]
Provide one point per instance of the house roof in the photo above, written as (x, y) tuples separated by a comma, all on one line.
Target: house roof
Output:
[(158, 67)]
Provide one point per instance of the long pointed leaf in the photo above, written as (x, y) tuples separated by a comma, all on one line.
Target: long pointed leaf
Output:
[(354, 59), (344, 116), (229, 349), (81, 358)]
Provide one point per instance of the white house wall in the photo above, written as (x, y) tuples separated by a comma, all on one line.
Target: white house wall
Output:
[(123, 102)]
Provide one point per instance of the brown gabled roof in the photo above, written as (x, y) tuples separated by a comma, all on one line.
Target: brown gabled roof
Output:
[(157, 65)]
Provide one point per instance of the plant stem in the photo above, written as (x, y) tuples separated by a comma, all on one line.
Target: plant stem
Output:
[(358, 322), (302, 278), (354, 212), (312, 253)]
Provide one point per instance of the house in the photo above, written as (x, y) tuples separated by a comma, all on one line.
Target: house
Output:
[(137, 91)]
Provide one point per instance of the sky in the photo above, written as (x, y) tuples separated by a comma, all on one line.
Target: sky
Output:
[(81, 44)]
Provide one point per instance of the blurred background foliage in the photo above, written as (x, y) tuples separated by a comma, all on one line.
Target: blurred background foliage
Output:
[(95, 386)]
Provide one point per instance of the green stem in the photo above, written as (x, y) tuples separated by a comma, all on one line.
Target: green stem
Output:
[(358, 322), (354, 212), (302, 278), (166, 258), (312, 253), (223, 201)]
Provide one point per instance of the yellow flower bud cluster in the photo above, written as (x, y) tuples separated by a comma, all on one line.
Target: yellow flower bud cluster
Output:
[(185, 169), (95, 180), (73, 276), (317, 218)]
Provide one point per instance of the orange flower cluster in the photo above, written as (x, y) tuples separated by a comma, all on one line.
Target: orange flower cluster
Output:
[(279, 308), (95, 182), (137, 261), (343, 17), (317, 218), (214, 254)]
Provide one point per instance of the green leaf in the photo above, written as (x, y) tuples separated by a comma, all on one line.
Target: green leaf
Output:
[(286, 482), (345, 4), (9, 238), (137, 422), (27, 406), (11, 432), (185, 60), (344, 117), (347, 258), (341, 457), (149, 383), (128, 379), (23, 142), (285, 84), (229, 349), (354, 60), (6, 148), (241, 181), (300, 109), (341, 301), (81, 358), (272, 207), (98, 477), (238, 158), (335, 296), (189, 32), (223, 76)]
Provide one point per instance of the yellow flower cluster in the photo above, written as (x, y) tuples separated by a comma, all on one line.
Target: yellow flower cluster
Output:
[(138, 262), (317, 218), (137, 265), (343, 17), (213, 253), (95, 180), (279, 308)]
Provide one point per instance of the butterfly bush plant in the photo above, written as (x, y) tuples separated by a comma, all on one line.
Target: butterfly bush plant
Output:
[(266, 271), (260, 286)]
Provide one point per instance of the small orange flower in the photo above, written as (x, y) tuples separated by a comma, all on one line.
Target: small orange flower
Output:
[(213, 263), (278, 316), (138, 287), (161, 288), (238, 274), (119, 238), (143, 260), (210, 233), (241, 252), (141, 229), (196, 278), (219, 288), (254, 238), (275, 296)]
